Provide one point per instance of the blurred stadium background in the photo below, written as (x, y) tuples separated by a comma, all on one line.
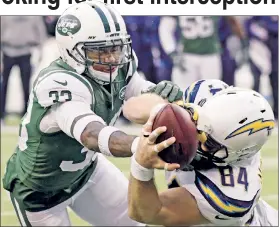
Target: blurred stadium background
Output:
[(146, 28)]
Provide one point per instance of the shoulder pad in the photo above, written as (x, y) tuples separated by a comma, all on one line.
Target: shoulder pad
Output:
[(62, 86)]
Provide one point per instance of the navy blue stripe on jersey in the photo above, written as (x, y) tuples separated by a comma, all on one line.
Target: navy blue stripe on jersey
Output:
[(192, 91), (221, 202), (117, 27), (103, 18)]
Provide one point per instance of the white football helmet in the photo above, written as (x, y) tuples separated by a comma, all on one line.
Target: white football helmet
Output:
[(237, 122), (89, 30), (199, 91)]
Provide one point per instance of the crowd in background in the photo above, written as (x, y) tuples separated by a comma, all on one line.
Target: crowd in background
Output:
[(168, 48)]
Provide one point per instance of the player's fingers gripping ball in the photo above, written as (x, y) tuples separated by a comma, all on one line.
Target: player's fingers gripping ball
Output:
[(147, 127), (148, 150)]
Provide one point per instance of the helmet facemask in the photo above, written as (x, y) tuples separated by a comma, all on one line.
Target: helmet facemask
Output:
[(103, 58), (212, 150)]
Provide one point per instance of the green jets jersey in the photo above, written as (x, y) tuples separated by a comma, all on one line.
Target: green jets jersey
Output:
[(199, 34), (48, 168)]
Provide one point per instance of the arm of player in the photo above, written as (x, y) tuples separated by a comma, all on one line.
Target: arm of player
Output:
[(137, 109), (236, 27), (167, 28), (40, 30), (70, 96), (78, 121), (137, 106), (171, 207), (136, 85), (120, 144)]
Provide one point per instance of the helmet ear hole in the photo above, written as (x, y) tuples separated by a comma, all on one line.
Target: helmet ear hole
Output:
[(262, 111)]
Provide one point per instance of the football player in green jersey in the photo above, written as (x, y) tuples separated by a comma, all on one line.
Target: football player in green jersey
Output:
[(196, 55), (59, 160)]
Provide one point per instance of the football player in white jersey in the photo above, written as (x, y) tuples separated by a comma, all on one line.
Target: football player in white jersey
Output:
[(223, 184), (198, 93)]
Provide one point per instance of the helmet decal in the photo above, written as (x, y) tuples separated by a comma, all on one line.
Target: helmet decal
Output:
[(241, 121), (68, 25), (253, 127)]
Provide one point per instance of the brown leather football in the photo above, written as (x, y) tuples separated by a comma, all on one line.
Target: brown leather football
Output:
[(180, 125)]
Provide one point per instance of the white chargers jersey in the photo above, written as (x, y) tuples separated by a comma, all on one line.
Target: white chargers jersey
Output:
[(225, 195)]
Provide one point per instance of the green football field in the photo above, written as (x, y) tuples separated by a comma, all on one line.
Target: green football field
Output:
[(270, 175)]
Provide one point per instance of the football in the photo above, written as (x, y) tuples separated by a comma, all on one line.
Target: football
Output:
[(180, 125)]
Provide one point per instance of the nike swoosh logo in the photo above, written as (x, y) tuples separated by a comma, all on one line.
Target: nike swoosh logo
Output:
[(221, 218), (62, 83)]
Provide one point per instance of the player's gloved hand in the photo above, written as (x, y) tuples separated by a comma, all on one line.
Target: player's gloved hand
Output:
[(167, 90)]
